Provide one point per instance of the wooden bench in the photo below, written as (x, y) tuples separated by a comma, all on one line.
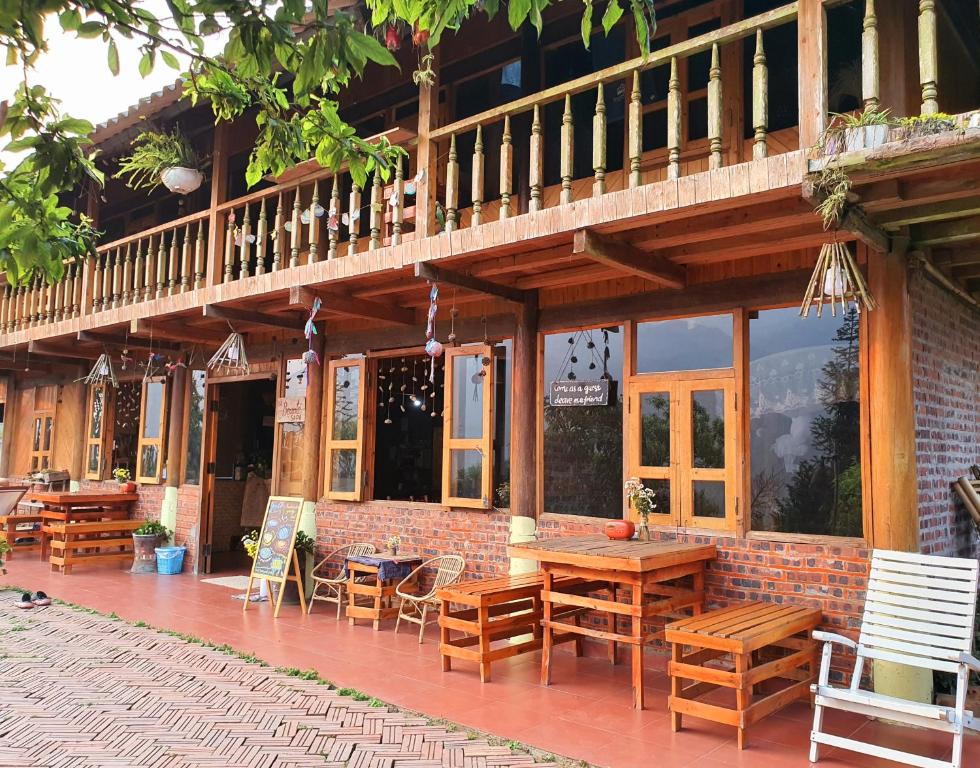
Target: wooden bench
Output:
[(95, 542), (497, 610), (765, 641), (9, 532)]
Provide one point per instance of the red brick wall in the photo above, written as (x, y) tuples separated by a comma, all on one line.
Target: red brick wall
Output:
[(188, 523), (946, 386), (146, 508)]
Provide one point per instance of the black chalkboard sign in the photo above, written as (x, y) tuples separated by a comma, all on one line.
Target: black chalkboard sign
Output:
[(275, 554), (580, 393)]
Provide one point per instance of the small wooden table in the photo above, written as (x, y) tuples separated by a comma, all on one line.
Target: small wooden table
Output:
[(78, 507), (765, 641), (90, 542), (638, 567), (364, 580)]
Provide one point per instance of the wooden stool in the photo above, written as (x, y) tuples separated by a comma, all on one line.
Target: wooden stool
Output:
[(765, 641), (10, 534)]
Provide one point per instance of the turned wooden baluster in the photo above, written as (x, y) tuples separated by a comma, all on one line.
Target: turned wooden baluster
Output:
[(294, 233), (760, 99), (354, 216), (333, 223), (715, 110), (161, 266), (673, 122), (5, 309), (149, 270), (97, 284), (23, 307), (398, 209), (635, 131), (506, 170), (50, 297), (115, 281), (76, 290), (870, 79), (57, 299), (377, 209), (599, 143), (476, 181), (277, 236), (199, 256), (567, 151), (452, 185), (185, 260), (928, 59), (229, 249), (261, 238), (127, 274), (9, 308), (19, 299), (536, 173), (173, 265), (244, 246), (34, 299), (138, 273), (314, 225), (64, 295)]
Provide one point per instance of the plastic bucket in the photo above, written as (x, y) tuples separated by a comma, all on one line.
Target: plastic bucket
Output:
[(170, 560)]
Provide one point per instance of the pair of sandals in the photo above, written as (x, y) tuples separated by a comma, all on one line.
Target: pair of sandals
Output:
[(39, 600)]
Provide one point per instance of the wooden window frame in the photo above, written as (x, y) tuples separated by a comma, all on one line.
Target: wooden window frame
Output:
[(160, 441), (102, 440), (483, 444), (331, 443), (41, 456)]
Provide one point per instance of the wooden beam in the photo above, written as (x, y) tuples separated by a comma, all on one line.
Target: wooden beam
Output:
[(726, 249), (942, 232), (77, 353), (130, 342), (341, 342), (233, 315), (627, 258), (350, 305), (184, 332), (856, 222), (435, 274), (921, 214)]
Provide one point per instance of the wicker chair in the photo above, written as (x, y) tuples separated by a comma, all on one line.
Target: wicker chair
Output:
[(335, 586), (448, 570)]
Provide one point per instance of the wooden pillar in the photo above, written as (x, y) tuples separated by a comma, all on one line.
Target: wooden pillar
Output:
[(812, 44), (72, 402), (9, 421), (428, 154), (311, 428), (175, 433), (894, 523), (219, 190), (524, 409), (898, 72)]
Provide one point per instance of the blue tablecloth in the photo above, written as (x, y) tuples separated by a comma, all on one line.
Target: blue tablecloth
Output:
[(388, 570)]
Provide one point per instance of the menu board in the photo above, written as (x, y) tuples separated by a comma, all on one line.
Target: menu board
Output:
[(275, 552)]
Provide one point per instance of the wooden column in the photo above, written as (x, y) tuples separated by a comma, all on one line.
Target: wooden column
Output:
[(812, 43), (9, 420), (219, 190), (311, 428), (524, 408), (894, 523), (897, 71), (428, 154), (175, 430)]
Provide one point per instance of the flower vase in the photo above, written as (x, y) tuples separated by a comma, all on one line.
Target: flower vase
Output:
[(643, 532)]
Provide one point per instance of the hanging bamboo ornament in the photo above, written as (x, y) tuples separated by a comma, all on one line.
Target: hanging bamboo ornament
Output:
[(836, 278), (102, 372), (230, 357)]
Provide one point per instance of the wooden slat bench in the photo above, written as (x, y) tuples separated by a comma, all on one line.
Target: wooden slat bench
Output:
[(96, 542), (497, 610), (765, 641), (9, 532)]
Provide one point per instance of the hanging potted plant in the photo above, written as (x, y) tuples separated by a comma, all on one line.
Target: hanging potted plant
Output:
[(850, 132), (124, 478), (146, 539), (161, 158)]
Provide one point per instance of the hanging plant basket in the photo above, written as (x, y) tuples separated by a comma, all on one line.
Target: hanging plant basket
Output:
[(181, 181)]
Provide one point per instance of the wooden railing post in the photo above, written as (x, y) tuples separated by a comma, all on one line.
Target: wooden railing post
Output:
[(354, 217), (599, 143), (715, 108), (673, 122), (219, 192), (635, 131), (398, 209), (870, 80), (928, 58), (506, 170), (760, 98), (333, 226), (452, 185), (427, 156), (812, 44), (536, 175), (377, 211), (261, 239), (567, 151), (314, 230), (476, 186)]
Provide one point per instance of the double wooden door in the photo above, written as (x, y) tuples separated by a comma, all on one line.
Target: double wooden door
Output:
[(682, 440)]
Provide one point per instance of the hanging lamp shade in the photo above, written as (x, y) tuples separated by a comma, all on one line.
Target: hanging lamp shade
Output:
[(102, 372), (836, 279), (230, 357)]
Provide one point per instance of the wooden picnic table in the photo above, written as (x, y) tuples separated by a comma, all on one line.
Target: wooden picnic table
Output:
[(90, 542), (670, 571), (58, 507), (377, 595)]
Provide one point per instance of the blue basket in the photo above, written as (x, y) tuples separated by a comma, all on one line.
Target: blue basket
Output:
[(170, 560)]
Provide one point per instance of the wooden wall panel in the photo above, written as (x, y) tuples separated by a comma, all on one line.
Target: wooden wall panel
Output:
[(20, 453), (69, 429)]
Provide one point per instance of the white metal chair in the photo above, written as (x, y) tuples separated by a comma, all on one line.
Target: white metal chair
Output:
[(335, 585), (449, 568), (919, 611)]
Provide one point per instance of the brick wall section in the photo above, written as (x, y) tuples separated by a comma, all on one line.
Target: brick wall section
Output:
[(946, 386)]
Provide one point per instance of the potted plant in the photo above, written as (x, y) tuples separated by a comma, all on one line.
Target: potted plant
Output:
[(644, 501), (393, 542), (146, 539), (917, 126), (4, 549), (124, 478), (849, 132), (305, 548), (162, 158)]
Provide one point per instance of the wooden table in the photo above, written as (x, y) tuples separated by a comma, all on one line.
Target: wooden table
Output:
[(499, 609), (364, 581), (765, 641), (59, 507), (639, 568)]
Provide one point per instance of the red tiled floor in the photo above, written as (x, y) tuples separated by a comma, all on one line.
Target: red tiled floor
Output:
[(585, 714)]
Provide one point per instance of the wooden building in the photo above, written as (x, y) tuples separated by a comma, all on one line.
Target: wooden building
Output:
[(631, 237)]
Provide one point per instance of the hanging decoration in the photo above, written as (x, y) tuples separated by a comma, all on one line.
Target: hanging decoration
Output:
[(836, 278), (173, 365), (433, 348), (453, 314), (154, 360), (230, 359), (102, 372), (310, 357)]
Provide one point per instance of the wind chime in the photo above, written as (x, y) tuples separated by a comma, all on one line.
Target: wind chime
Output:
[(310, 357), (836, 278), (102, 372), (433, 347), (230, 359), (571, 355)]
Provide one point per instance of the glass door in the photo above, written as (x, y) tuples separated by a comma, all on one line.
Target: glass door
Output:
[(652, 445)]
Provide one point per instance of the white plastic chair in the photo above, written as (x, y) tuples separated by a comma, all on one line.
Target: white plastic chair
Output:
[(449, 568), (336, 585), (919, 611)]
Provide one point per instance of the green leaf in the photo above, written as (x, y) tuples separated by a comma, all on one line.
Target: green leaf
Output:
[(517, 12), (587, 24), (614, 12), (70, 20), (90, 29), (146, 64), (113, 54), (170, 60), (370, 48)]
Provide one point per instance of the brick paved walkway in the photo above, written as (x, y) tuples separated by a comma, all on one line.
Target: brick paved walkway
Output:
[(82, 690)]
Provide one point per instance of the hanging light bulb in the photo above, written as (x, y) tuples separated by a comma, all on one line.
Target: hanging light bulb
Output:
[(835, 281)]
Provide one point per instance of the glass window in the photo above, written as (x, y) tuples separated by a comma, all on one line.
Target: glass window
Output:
[(468, 373), (685, 344), (805, 423), (343, 441), (583, 444), (195, 428), (347, 385), (153, 415)]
